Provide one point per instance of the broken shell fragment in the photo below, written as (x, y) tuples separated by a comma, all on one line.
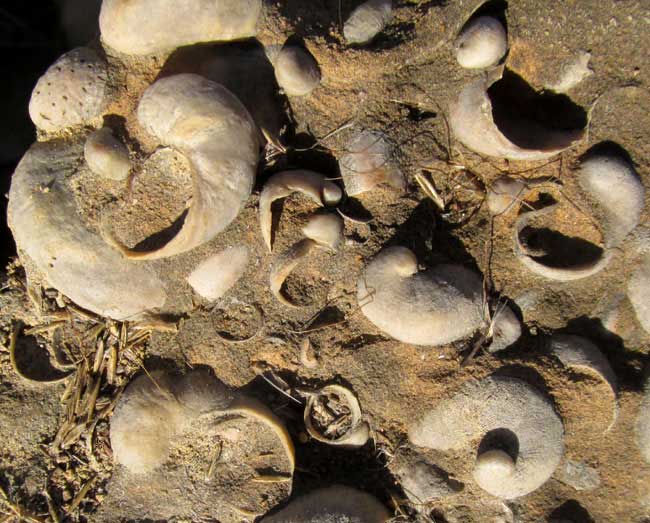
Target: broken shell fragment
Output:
[(107, 156), (211, 127), (504, 194), (284, 265), (472, 121), (482, 43), (433, 307), (282, 184), (218, 273), (612, 183), (572, 73), (72, 91), (368, 162), (335, 503), (170, 24), (296, 71), (325, 229), (642, 427), (46, 225), (167, 431), (367, 21), (498, 411), (345, 427), (582, 354)]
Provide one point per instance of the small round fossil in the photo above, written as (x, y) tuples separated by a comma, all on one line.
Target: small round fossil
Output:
[(367, 21), (482, 43), (107, 156), (493, 465), (296, 71)]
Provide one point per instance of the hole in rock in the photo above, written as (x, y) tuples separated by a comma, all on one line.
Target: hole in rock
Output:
[(33, 360), (570, 511), (527, 117), (500, 439), (494, 8)]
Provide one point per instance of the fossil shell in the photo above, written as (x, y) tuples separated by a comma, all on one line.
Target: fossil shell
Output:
[(368, 162), (572, 73), (612, 183), (482, 43), (504, 194), (142, 27), (166, 432), (433, 307), (296, 71), (211, 127), (45, 223), (331, 504), (472, 122), (72, 91), (423, 482), (359, 431), (367, 21), (284, 265), (578, 352), (497, 404), (107, 156), (506, 329), (282, 184), (217, 274), (325, 229)]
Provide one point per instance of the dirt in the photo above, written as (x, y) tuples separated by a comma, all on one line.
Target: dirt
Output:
[(400, 85)]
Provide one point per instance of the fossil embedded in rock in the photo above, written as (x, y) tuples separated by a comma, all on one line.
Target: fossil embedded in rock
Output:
[(370, 161), (333, 416), (582, 354), (325, 229), (150, 26), (282, 184), (473, 121), (367, 21), (482, 43), (432, 307), (169, 433), (211, 127), (72, 258), (521, 437), (296, 71), (332, 504), (423, 482), (216, 275), (506, 329), (72, 91), (106, 155)]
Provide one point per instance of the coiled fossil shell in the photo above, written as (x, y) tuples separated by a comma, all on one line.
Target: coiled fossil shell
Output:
[(211, 127), (491, 405), (472, 122), (43, 217), (433, 307), (142, 27), (580, 353), (335, 503), (482, 43), (72, 91), (171, 434), (367, 21)]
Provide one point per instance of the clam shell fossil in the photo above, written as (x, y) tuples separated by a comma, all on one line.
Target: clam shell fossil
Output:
[(72, 92), (368, 162), (211, 127), (357, 433), (43, 217), (481, 43), (171, 24), (335, 503), (282, 184), (493, 405), (472, 122), (296, 71), (432, 307), (367, 21), (170, 434), (107, 156), (582, 354), (218, 273)]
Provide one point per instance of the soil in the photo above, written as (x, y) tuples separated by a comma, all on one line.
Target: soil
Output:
[(55, 456)]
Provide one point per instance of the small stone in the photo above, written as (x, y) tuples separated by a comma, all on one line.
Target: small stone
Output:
[(296, 71), (423, 482), (107, 156), (579, 475)]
